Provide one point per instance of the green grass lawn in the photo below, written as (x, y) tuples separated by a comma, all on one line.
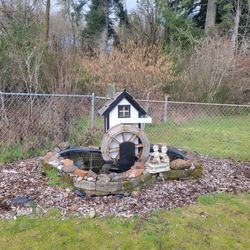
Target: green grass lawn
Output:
[(219, 221), (227, 137)]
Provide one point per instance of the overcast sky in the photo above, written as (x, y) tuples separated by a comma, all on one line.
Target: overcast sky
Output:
[(130, 4)]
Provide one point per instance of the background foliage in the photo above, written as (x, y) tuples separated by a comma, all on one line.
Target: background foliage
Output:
[(158, 48)]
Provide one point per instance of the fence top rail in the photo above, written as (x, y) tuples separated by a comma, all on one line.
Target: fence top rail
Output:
[(42, 94), (213, 104), (188, 103), (107, 98)]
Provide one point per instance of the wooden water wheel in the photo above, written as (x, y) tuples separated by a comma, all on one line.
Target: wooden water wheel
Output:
[(110, 144)]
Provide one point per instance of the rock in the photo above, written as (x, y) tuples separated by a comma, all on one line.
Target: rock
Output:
[(135, 193), (105, 168), (79, 178), (79, 193), (55, 163), (103, 178), (85, 185), (80, 173), (60, 167), (112, 175), (90, 179), (132, 173), (119, 177), (92, 174), (180, 164), (67, 163), (74, 207), (146, 177), (183, 174), (48, 157), (22, 200), (65, 195), (110, 187), (120, 196), (69, 169), (56, 150), (63, 145), (92, 214), (135, 182), (139, 165)]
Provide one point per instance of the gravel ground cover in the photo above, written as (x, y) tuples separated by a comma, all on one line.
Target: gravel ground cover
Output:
[(24, 179)]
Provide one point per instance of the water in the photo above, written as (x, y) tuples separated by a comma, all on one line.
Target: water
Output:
[(91, 161)]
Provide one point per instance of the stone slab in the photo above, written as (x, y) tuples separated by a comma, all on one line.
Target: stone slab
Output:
[(85, 185), (108, 187)]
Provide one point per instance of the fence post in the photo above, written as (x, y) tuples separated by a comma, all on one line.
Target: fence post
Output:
[(92, 112), (165, 111)]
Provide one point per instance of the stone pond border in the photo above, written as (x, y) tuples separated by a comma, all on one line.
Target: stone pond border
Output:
[(118, 183)]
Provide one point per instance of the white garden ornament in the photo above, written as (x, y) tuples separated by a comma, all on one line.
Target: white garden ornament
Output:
[(158, 162)]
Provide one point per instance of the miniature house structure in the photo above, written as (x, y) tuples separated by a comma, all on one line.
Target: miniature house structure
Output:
[(123, 109)]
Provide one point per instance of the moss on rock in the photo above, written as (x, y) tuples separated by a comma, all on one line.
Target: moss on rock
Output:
[(184, 174)]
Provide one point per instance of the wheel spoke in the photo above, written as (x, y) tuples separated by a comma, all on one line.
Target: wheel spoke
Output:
[(114, 150), (139, 145), (132, 137), (123, 137), (115, 140), (117, 158)]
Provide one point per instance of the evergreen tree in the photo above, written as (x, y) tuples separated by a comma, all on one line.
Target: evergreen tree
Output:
[(100, 21), (95, 20)]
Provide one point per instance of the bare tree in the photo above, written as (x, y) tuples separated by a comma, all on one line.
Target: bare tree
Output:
[(47, 17), (210, 15), (105, 30), (235, 33)]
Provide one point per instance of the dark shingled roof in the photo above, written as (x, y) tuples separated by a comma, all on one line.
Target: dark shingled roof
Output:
[(110, 104)]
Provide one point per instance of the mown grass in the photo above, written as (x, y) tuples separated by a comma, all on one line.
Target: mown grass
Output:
[(227, 137), (220, 221)]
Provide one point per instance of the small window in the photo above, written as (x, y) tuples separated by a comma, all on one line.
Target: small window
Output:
[(123, 111)]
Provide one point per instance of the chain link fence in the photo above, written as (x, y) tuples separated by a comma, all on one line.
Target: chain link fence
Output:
[(31, 124)]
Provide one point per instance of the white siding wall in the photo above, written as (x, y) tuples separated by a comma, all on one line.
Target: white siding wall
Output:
[(113, 116)]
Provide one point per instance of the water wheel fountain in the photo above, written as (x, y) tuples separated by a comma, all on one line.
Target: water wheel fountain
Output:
[(110, 144)]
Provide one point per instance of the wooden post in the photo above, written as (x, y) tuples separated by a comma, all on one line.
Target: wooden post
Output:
[(146, 108), (110, 90), (165, 112), (92, 112)]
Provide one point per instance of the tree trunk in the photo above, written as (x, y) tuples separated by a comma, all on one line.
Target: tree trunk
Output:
[(105, 31), (234, 37), (47, 15), (210, 16)]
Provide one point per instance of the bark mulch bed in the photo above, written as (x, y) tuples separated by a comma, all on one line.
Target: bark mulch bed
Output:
[(23, 178)]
